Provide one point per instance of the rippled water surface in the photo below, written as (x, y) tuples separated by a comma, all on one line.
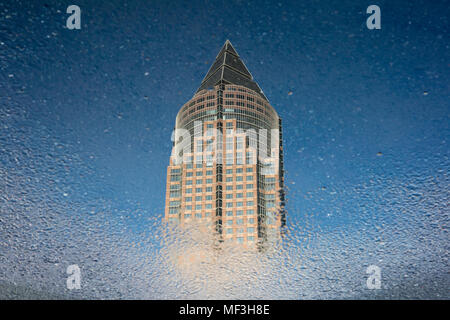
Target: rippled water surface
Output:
[(85, 123)]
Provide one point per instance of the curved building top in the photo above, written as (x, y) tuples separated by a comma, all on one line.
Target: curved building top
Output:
[(229, 72)]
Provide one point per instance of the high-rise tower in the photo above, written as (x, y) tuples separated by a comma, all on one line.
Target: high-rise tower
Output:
[(226, 167)]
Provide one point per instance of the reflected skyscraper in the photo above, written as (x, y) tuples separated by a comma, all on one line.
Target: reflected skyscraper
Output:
[(226, 167)]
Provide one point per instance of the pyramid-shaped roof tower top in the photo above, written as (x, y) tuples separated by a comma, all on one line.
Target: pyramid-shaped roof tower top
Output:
[(228, 68)]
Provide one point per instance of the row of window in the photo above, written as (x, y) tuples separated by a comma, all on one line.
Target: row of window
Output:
[(238, 195), (198, 207), (238, 178), (228, 188), (240, 230), (199, 173), (239, 96), (238, 222), (197, 215), (177, 192), (239, 204), (228, 213), (198, 198), (199, 181), (239, 187), (249, 212), (238, 170), (199, 190)]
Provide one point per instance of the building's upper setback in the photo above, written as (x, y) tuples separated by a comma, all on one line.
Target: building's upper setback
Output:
[(229, 91)]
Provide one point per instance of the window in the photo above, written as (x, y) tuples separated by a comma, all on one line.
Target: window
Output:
[(229, 196), (229, 222), (209, 181), (175, 194), (239, 195), (249, 178), (209, 173), (250, 186), (198, 215), (229, 171), (249, 170), (229, 231), (198, 207), (239, 204), (229, 213), (173, 171), (250, 230), (188, 182), (229, 204), (250, 211), (174, 203), (238, 170), (198, 198), (189, 174), (240, 230), (208, 206), (249, 203), (240, 239), (207, 214), (251, 220), (188, 207), (187, 215), (239, 221), (198, 190), (208, 198), (198, 181), (239, 212), (228, 188), (198, 173), (229, 179), (239, 187), (251, 238), (239, 178), (173, 210), (188, 199), (249, 194), (239, 159), (208, 189)]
